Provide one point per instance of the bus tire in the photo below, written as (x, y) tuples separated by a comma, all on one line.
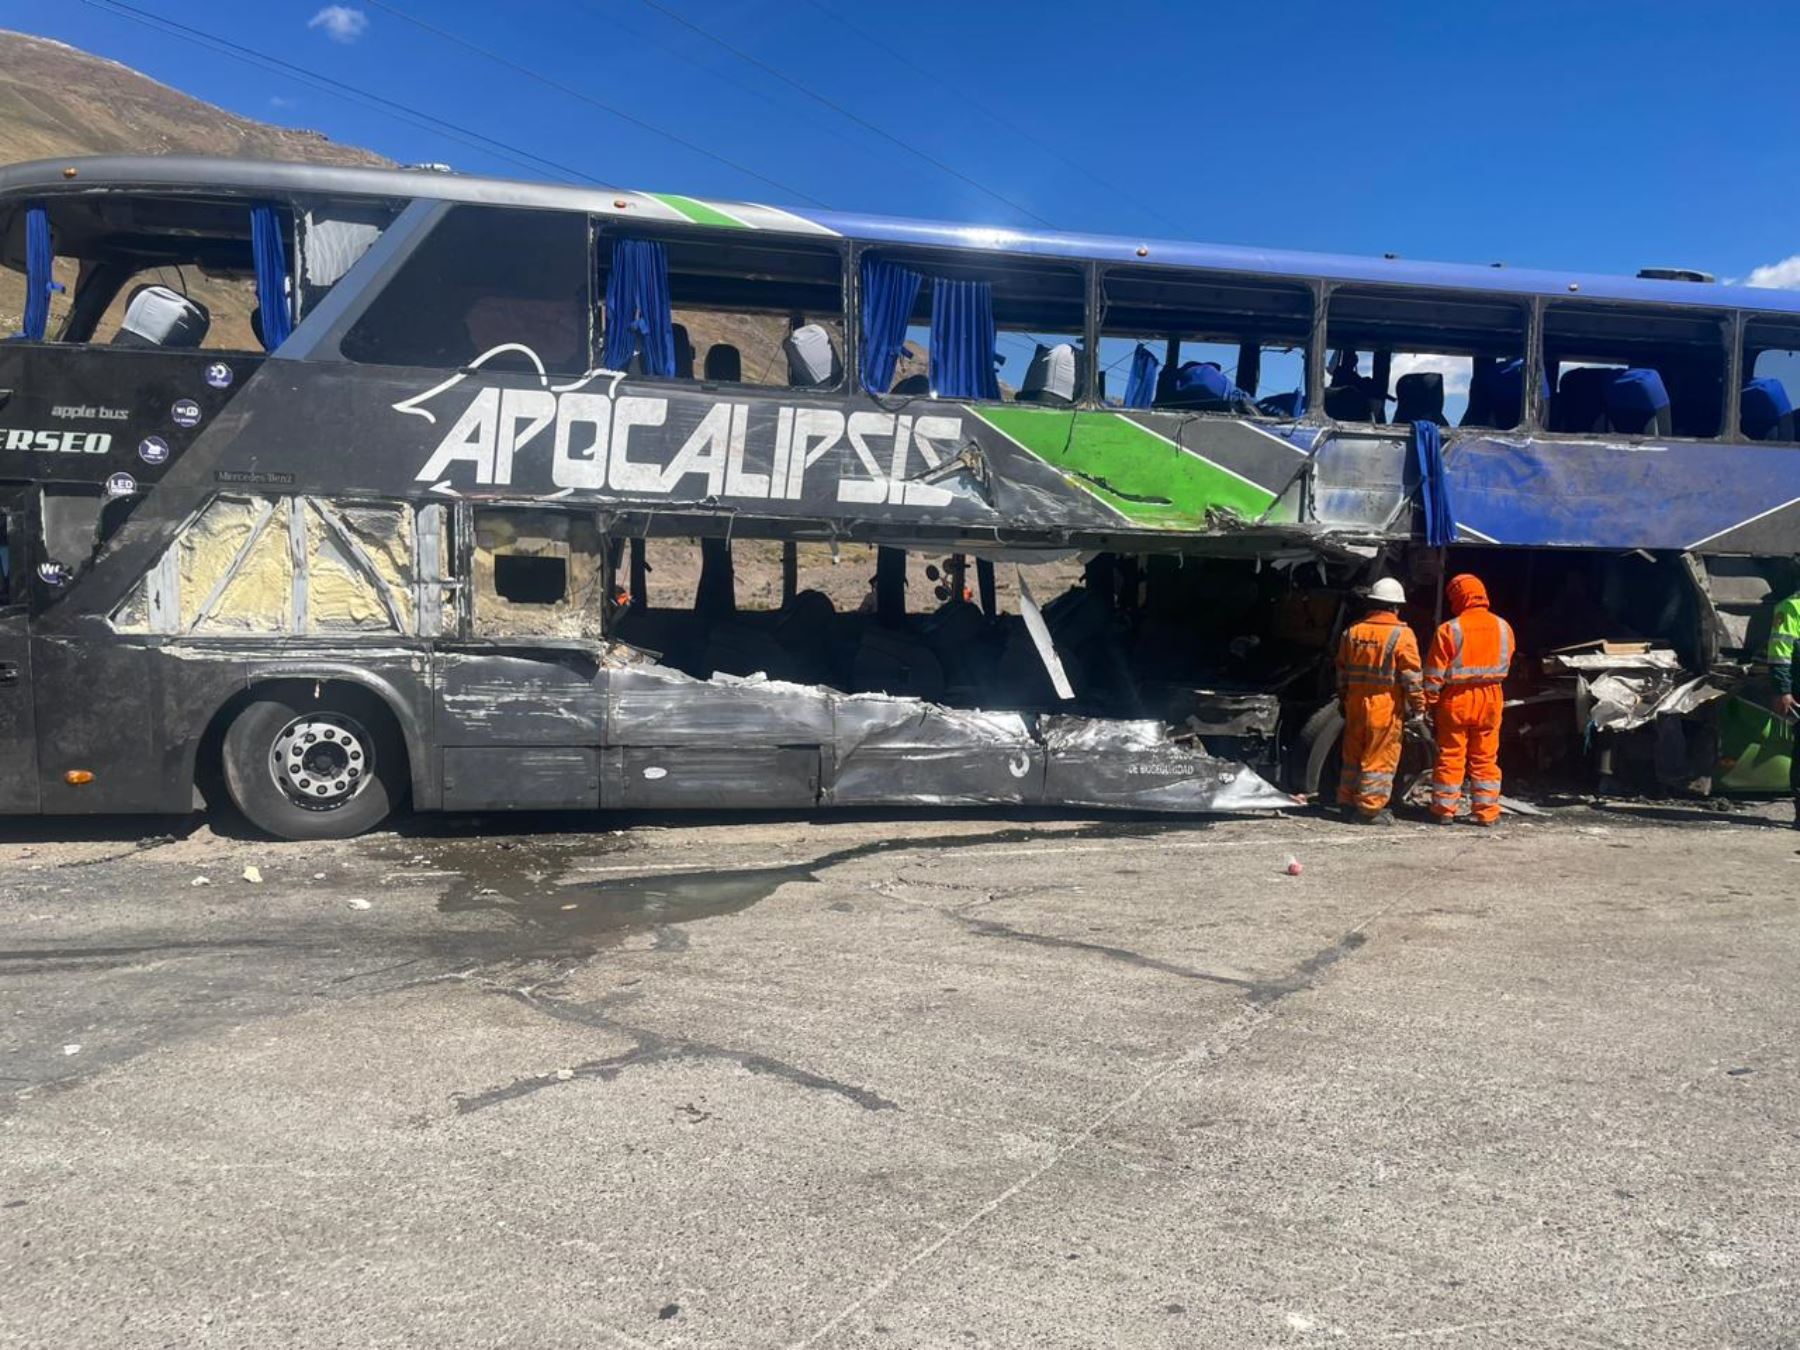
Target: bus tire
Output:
[(330, 768), (1317, 753)]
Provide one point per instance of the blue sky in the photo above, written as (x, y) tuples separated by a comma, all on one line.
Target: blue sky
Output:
[(1588, 136)]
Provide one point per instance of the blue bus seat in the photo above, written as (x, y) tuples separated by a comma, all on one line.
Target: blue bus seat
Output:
[(1637, 403), (1764, 412)]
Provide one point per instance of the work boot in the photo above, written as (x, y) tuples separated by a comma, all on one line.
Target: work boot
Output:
[(1381, 817), (1796, 813), (1436, 819)]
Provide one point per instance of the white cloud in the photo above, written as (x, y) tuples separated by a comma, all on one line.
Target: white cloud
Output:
[(1456, 370), (278, 102), (1783, 275), (340, 22)]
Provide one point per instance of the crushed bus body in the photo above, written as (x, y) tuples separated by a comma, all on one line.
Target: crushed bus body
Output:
[(333, 488)]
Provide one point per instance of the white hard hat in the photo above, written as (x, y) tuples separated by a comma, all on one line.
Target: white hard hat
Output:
[(1388, 590)]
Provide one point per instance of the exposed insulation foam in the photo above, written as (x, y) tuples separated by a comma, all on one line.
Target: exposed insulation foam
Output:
[(260, 598), (209, 547)]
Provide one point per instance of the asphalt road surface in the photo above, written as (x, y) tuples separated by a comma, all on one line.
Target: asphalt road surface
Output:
[(903, 1082)]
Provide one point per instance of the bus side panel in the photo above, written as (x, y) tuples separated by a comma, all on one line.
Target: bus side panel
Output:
[(520, 729), (18, 723), (98, 712)]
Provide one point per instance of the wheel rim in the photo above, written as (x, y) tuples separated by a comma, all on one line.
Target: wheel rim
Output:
[(322, 760)]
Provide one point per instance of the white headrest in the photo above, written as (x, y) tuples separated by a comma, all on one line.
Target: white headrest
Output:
[(1052, 373), (812, 360), (162, 318)]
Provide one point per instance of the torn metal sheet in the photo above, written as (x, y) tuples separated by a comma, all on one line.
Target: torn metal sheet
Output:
[(1615, 702), (1133, 765), (1040, 638), (665, 731)]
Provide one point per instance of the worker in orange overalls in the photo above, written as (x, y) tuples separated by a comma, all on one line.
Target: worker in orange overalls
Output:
[(1469, 658), (1379, 685)]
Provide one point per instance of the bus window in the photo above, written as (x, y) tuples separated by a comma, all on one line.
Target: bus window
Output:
[(1772, 381), (537, 573), (175, 273), (70, 525), (1401, 357), (982, 328), (333, 238), (1634, 371), (484, 279), (1195, 342), (761, 312)]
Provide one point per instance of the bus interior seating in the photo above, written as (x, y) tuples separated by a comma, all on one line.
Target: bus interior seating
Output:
[(1352, 398), (913, 386), (812, 359), (1053, 376), (1419, 397), (684, 353), (1637, 404), (156, 316), (1580, 403), (1202, 386), (724, 364), (1764, 412), (1497, 395)]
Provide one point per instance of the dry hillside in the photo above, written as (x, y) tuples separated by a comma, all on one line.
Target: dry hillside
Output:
[(57, 100)]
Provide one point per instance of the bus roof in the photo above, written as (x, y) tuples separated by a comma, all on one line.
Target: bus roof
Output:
[(264, 176)]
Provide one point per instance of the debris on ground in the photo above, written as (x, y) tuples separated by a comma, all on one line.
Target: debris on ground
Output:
[(201, 881), (71, 1049), (357, 903), (253, 874), (1293, 868)]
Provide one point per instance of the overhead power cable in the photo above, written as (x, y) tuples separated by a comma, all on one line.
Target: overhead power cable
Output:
[(844, 112), (551, 82), (463, 135), (968, 99)]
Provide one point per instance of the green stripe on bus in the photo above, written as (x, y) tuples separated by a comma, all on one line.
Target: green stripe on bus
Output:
[(1141, 475), (698, 212)]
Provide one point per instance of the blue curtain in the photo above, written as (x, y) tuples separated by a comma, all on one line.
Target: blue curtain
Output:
[(1140, 388), (272, 290), (889, 292), (637, 308), (962, 340), (1434, 493), (38, 281)]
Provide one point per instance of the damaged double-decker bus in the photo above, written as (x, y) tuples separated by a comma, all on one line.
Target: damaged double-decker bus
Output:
[(327, 489)]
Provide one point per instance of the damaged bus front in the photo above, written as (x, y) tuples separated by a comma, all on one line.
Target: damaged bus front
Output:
[(331, 488)]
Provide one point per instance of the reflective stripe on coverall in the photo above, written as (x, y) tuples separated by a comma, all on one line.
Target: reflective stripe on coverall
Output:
[(1469, 658), (1378, 669), (1784, 647)]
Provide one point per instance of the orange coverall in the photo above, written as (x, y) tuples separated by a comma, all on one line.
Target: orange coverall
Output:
[(1469, 658), (1379, 683)]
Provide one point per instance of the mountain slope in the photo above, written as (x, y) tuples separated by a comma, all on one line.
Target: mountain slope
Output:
[(56, 100)]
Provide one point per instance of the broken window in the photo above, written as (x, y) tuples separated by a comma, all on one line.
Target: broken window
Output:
[(1200, 342), (537, 572), (973, 328), (746, 309), (283, 565), (1771, 381), (508, 289), (1400, 357), (1634, 370), (175, 273)]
